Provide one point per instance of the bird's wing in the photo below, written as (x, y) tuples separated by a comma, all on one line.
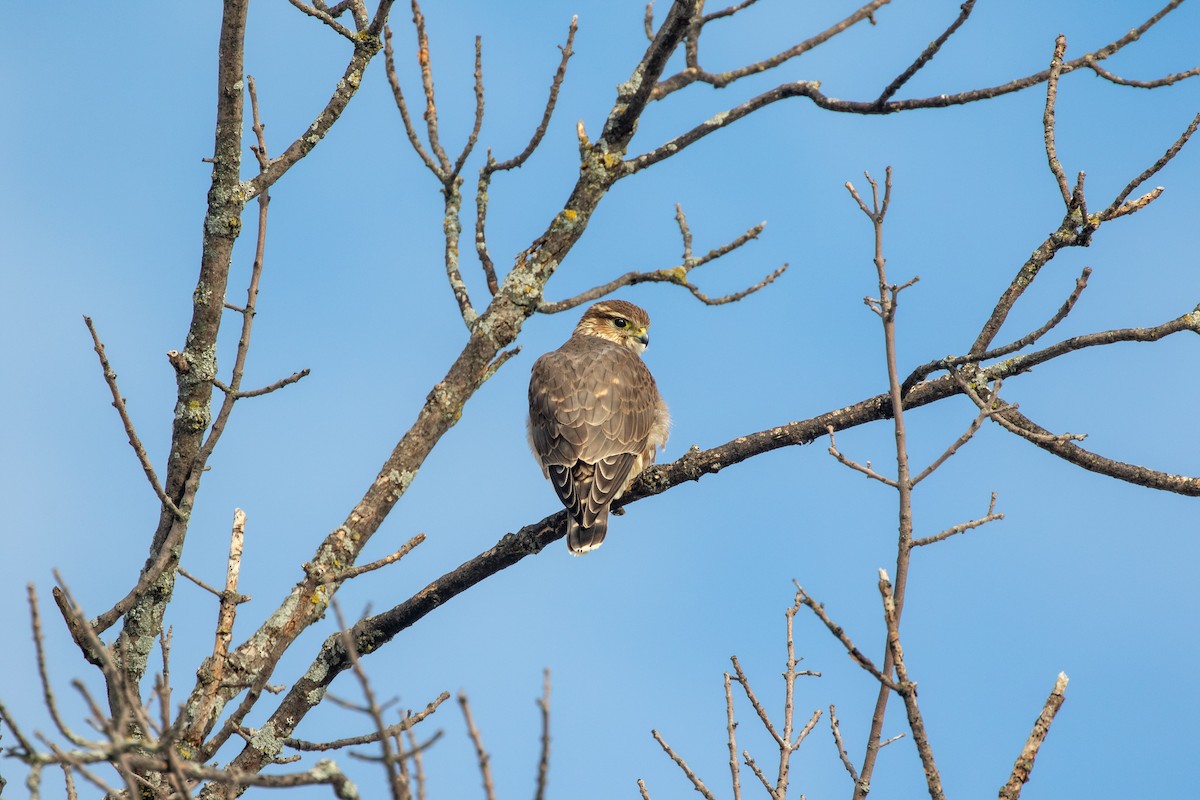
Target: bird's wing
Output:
[(590, 400), (587, 489)]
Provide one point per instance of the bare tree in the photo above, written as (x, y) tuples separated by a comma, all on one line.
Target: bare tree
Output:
[(156, 737)]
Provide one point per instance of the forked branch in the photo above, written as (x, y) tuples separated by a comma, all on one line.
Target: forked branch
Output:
[(677, 275), (786, 738), (491, 166)]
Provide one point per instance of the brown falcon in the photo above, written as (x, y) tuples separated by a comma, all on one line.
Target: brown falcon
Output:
[(596, 417)]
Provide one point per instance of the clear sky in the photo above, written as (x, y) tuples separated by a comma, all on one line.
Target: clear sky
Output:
[(109, 111)]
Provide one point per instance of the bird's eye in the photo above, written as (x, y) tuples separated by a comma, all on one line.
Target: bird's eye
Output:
[(621, 322)]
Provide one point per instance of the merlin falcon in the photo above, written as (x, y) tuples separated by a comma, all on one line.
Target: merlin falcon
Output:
[(596, 418)]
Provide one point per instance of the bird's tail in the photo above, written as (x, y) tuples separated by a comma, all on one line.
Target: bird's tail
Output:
[(581, 540)]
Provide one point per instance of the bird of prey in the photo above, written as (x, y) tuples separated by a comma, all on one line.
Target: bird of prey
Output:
[(596, 418)]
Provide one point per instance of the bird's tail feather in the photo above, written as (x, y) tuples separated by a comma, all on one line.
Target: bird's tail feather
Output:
[(581, 540)]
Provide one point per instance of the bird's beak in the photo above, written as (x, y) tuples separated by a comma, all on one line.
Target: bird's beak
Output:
[(644, 338)]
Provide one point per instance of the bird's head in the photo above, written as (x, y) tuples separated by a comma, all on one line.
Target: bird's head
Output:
[(619, 322)]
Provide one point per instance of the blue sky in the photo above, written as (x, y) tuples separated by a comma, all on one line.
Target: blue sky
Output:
[(100, 214)]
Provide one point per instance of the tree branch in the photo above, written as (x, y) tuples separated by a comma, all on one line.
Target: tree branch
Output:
[(1151, 84), (927, 54), (677, 275), (222, 224), (492, 166), (1041, 728), (1116, 208), (925, 370), (1056, 64), (135, 442), (697, 784), (694, 72), (908, 690), (366, 45)]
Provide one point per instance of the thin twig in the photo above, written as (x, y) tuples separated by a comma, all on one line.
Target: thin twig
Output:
[(543, 772), (374, 710), (1041, 727), (1056, 64), (69, 780), (398, 95), (354, 572), (677, 275), (226, 612), (260, 149), (325, 17), (473, 137), (425, 63), (728, 11), (730, 726), (757, 706), (789, 686), (1115, 207), (405, 724), (279, 384), (415, 753), (1151, 84), (807, 729), (485, 766), (966, 436), (39, 644), (696, 782), (198, 581), (498, 362), (908, 690), (758, 773), (923, 371), (999, 411), (927, 54), (694, 72), (840, 633), (962, 527), (1137, 205), (865, 469), (26, 748), (560, 74), (492, 166), (841, 745), (885, 305), (135, 442), (89, 775)]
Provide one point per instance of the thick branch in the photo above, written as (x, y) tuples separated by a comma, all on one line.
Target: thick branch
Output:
[(635, 93), (1069, 451), (222, 224)]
